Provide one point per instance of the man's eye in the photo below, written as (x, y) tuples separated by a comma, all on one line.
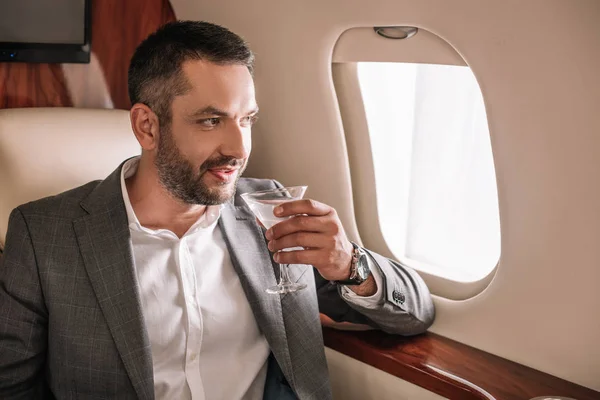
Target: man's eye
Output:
[(209, 122), (249, 120)]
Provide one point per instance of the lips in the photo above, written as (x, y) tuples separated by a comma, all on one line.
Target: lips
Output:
[(223, 174)]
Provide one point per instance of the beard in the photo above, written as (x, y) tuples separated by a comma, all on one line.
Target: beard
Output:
[(184, 182)]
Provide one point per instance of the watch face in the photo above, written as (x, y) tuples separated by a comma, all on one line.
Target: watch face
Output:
[(362, 269)]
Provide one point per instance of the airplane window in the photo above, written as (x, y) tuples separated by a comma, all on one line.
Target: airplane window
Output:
[(435, 181)]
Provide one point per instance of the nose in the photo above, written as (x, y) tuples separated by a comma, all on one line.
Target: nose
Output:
[(237, 142)]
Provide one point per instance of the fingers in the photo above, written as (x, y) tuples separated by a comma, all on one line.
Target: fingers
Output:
[(302, 239), (308, 257), (304, 206), (316, 229), (303, 223)]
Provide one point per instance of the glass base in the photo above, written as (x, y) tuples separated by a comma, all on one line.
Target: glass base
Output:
[(286, 288)]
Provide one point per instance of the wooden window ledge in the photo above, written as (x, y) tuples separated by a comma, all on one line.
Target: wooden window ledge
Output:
[(449, 368)]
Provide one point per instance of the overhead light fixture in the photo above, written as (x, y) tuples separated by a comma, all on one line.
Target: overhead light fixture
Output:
[(396, 32)]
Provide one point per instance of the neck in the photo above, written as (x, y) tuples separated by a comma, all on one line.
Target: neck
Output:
[(154, 206)]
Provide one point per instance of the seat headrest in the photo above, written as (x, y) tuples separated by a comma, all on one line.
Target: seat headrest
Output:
[(45, 151)]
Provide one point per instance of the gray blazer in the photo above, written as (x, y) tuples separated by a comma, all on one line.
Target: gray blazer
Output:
[(71, 325)]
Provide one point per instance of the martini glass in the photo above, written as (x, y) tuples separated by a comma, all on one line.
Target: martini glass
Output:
[(262, 204)]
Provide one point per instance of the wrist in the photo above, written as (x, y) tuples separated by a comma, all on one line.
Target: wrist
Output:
[(359, 271)]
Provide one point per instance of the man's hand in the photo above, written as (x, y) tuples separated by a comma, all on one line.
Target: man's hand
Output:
[(319, 231), (315, 227)]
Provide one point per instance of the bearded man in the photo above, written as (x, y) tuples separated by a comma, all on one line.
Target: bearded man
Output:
[(151, 283)]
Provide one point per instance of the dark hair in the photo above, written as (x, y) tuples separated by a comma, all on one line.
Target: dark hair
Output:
[(155, 75)]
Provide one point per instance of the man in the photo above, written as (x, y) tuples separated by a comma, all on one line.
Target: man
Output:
[(151, 283)]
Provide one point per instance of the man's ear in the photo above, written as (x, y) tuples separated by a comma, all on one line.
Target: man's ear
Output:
[(145, 126)]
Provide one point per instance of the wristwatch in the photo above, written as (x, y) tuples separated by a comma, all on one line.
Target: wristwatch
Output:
[(359, 268)]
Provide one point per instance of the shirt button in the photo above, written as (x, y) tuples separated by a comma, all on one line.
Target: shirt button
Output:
[(193, 357)]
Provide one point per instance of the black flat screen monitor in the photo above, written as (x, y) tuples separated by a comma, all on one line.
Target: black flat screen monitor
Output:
[(45, 31)]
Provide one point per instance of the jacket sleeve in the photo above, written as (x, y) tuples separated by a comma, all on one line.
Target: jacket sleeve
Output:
[(405, 307), (23, 317)]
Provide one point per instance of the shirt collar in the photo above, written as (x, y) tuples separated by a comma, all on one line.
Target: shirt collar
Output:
[(208, 219)]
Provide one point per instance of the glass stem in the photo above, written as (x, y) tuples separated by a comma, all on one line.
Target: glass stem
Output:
[(284, 278)]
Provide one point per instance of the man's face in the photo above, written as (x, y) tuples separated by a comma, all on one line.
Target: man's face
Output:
[(202, 154)]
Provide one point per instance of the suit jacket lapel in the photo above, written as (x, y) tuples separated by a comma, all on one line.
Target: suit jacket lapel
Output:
[(105, 246), (251, 260)]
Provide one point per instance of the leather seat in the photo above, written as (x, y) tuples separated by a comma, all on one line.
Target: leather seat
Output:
[(45, 151)]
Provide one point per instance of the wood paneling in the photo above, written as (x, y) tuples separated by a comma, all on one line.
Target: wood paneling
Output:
[(117, 28), (32, 85), (451, 369), (123, 25)]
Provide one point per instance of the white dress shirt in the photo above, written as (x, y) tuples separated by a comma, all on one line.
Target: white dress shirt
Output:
[(204, 338)]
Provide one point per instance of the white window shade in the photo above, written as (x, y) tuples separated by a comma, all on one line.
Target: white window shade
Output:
[(433, 167)]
